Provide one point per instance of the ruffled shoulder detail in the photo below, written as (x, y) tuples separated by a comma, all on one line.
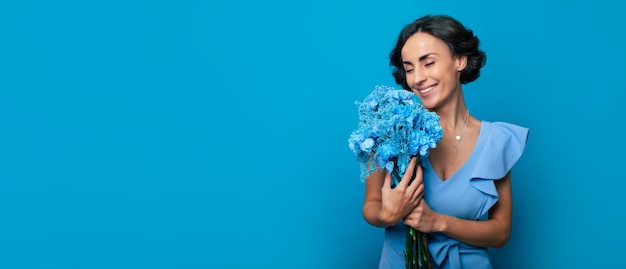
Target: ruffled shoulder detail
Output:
[(503, 145)]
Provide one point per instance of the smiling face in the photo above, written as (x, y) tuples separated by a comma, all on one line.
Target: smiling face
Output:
[(432, 72)]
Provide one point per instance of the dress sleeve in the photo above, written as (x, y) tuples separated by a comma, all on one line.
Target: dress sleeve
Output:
[(503, 147)]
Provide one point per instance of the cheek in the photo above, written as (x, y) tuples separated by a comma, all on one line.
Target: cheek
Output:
[(408, 79), (440, 72), (446, 74), (453, 69)]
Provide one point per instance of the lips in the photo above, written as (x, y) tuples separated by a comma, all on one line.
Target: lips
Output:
[(427, 90)]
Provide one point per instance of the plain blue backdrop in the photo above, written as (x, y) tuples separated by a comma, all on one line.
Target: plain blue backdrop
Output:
[(213, 134)]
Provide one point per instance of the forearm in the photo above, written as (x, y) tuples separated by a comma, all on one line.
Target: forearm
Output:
[(487, 233), (372, 212)]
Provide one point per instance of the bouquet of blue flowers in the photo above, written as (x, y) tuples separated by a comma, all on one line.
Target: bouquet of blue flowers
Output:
[(394, 127)]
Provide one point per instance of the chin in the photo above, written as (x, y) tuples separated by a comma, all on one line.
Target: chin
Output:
[(430, 108), (428, 105)]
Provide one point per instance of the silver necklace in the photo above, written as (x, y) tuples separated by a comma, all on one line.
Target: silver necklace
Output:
[(459, 137)]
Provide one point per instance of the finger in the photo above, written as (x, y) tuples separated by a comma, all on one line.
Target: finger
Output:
[(414, 164), (422, 203), (418, 194), (419, 173), (408, 174), (387, 181), (417, 179)]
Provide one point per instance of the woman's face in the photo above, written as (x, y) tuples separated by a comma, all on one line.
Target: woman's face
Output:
[(431, 70)]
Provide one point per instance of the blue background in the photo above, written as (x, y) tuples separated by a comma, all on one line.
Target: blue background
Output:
[(213, 134)]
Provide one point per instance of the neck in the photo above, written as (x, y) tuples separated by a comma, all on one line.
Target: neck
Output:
[(452, 113), (454, 118)]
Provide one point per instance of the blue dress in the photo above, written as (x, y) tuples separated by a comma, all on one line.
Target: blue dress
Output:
[(468, 194)]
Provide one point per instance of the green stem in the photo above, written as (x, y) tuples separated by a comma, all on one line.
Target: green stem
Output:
[(416, 251)]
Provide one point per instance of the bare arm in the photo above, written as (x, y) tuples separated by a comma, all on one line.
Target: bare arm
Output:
[(373, 200), (493, 232)]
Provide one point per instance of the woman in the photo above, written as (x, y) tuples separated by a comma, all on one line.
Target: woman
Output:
[(461, 196)]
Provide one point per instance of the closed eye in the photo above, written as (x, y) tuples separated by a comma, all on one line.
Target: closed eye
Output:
[(429, 63), (408, 66)]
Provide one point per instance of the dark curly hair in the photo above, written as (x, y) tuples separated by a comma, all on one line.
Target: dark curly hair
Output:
[(460, 40)]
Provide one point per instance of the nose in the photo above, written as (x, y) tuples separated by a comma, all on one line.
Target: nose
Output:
[(419, 77)]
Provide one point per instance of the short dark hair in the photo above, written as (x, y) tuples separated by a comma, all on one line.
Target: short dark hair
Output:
[(460, 40)]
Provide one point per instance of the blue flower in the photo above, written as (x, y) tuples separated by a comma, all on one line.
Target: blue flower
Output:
[(393, 127), (386, 153), (371, 101), (367, 144), (402, 96), (356, 138), (401, 110), (377, 130)]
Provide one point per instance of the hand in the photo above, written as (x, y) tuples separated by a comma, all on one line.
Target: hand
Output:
[(422, 218), (401, 200)]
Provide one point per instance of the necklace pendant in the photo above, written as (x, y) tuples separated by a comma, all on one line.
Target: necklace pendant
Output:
[(458, 137)]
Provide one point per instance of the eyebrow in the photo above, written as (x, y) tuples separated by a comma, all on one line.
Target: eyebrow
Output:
[(421, 58)]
